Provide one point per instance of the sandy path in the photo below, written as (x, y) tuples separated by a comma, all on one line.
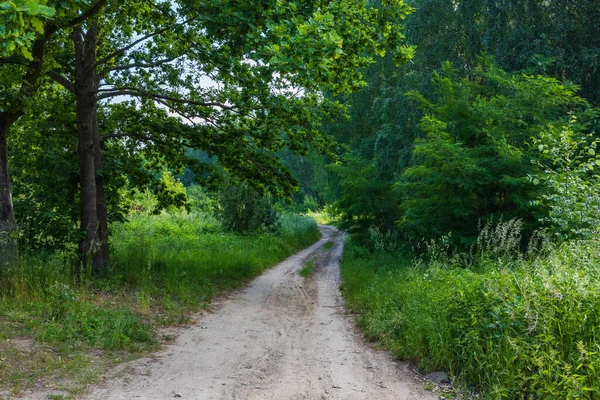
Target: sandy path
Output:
[(282, 337)]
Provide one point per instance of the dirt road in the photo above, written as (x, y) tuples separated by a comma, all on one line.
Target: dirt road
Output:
[(282, 337)]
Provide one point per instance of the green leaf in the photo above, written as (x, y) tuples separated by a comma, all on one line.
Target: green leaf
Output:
[(37, 24), (26, 53)]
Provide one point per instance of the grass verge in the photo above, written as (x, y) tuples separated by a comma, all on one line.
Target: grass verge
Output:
[(509, 327), (60, 327)]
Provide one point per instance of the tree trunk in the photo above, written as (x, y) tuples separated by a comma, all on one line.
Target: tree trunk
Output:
[(9, 253), (101, 207), (85, 93)]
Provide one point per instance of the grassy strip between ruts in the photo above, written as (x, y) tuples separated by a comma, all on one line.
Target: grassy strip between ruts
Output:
[(60, 328), (308, 269), (508, 326)]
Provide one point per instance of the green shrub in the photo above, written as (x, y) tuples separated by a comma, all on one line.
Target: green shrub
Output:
[(570, 163), (291, 226), (310, 204), (245, 210), (200, 200), (367, 200), (475, 155)]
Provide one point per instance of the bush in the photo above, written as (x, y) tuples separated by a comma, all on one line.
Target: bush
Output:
[(292, 226), (244, 210), (200, 200), (367, 199), (570, 163)]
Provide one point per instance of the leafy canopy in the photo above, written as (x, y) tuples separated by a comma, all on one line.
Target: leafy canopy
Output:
[(20, 21)]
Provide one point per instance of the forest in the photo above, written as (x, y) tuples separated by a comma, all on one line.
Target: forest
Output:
[(155, 154)]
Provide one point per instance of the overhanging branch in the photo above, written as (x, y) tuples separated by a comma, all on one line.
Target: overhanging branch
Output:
[(87, 14), (122, 50), (139, 136), (157, 63), (61, 80), (13, 60), (135, 92)]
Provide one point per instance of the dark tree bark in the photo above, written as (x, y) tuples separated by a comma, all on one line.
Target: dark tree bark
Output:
[(9, 253), (87, 131), (101, 207)]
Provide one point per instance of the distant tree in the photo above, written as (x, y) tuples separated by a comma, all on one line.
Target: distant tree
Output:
[(366, 199), (557, 38)]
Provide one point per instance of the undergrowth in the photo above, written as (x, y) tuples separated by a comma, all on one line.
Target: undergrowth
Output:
[(510, 324), (162, 268)]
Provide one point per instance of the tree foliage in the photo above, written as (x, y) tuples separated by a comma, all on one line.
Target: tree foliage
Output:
[(20, 21), (244, 210), (473, 164), (365, 197), (469, 158)]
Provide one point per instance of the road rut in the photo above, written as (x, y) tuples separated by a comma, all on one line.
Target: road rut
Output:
[(282, 337)]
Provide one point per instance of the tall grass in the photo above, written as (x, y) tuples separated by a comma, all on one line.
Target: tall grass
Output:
[(162, 268), (512, 325), (189, 259)]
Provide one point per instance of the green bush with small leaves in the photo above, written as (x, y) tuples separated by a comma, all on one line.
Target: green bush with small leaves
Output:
[(570, 164)]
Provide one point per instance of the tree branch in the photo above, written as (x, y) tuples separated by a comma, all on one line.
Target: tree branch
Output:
[(13, 60), (90, 12), (122, 50), (105, 71), (139, 136), (135, 92), (61, 80), (176, 111)]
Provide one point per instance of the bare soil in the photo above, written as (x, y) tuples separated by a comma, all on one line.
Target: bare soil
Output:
[(282, 337)]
